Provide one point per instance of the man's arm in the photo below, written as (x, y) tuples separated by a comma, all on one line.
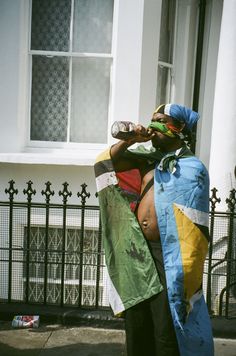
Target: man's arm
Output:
[(122, 164)]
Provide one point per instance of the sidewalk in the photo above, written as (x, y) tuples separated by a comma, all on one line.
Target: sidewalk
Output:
[(222, 327), (60, 340), (80, 332), (56, 339)]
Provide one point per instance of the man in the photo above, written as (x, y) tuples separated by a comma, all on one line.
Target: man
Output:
[(172, 215)]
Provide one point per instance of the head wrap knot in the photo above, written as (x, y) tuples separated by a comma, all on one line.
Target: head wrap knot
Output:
[(181, 113)]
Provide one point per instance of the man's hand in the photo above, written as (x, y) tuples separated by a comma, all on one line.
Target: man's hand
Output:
[(142, 134)]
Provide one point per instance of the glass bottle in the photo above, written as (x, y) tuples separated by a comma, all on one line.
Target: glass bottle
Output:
[(123, 130)]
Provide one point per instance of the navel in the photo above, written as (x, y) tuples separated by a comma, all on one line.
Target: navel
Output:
[(144, 223)]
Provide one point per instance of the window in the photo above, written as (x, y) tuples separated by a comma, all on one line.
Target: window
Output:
[(73, 265), (71, 58), (166, 52)]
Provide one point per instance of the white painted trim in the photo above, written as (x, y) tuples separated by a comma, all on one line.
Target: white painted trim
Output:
[(69, 54), (165, 64), (56, 220), (208, 79), (63, 158), (111, 99), (23, 91), (185, 51), (35, 146)]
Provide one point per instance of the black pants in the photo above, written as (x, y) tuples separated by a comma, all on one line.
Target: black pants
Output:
[(148, 325)]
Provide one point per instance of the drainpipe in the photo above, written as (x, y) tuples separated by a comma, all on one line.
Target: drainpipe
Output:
[(198, 66)]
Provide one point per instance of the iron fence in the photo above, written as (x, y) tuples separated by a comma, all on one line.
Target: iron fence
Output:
[(52, 254), (220, 266)]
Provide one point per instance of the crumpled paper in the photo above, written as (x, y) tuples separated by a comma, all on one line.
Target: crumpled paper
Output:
[(25, 321)]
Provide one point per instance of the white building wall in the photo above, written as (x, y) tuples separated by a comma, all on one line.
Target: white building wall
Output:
[(127, 48), (150, 46), (9, 74), (133, 90), (223, 138), (40, 174), (208, 78)]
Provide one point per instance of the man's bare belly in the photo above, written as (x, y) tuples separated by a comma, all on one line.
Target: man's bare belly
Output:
[(146, 213)]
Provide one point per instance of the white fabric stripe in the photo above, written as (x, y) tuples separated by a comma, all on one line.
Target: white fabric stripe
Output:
[(105, 180), (196, 216), (114, 298), (195, 298), (167, 109)]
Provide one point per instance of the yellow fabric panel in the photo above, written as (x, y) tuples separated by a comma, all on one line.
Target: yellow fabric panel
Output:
[(193, 246), (105, 155)]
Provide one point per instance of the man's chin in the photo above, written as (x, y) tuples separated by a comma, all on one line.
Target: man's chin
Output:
[(156, 143)]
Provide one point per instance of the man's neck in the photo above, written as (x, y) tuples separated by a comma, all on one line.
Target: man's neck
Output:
[(172, 148)]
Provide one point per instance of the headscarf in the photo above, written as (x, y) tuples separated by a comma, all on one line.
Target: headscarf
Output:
[(180, 113)]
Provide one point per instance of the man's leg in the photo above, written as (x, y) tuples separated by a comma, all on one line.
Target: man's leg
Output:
[(165, 337), (139, 330)]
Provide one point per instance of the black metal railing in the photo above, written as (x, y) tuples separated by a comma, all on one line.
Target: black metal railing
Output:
[(52, 254), (221, 262)]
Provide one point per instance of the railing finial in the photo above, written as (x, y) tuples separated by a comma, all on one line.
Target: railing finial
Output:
[(214, 199), (231, 200), (48, 192), (65, 193), (11, 190), (29, 191), (83, 194)]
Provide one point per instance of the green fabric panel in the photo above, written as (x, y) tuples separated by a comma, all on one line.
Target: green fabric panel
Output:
[(142, 152), (128, 259), (153, 155)]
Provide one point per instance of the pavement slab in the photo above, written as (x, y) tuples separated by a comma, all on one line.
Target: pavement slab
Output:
[(61, 340), (22, 341), (85, 342), (225, 347)]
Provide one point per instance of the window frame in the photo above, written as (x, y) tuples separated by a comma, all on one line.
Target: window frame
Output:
[(67, 145), (169, 66)]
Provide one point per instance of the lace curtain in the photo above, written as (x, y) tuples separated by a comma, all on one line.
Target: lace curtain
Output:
[(75, 110)]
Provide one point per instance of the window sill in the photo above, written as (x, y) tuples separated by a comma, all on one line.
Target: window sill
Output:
[(55, 157)]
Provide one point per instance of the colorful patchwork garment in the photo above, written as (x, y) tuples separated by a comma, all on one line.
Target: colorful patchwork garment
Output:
[(181, 188)]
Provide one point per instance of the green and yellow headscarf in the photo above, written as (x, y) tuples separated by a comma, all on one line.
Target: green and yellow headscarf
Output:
[(177, 112)]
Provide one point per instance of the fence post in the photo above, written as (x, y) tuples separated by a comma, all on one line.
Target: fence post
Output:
[(65, 195), (11, 191), (29, 191), (231, 201), (83, 195), (213, 199), (99, 251), (48, 193)]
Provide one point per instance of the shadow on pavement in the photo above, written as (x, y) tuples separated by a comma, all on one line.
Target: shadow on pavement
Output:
[(75, 349)]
